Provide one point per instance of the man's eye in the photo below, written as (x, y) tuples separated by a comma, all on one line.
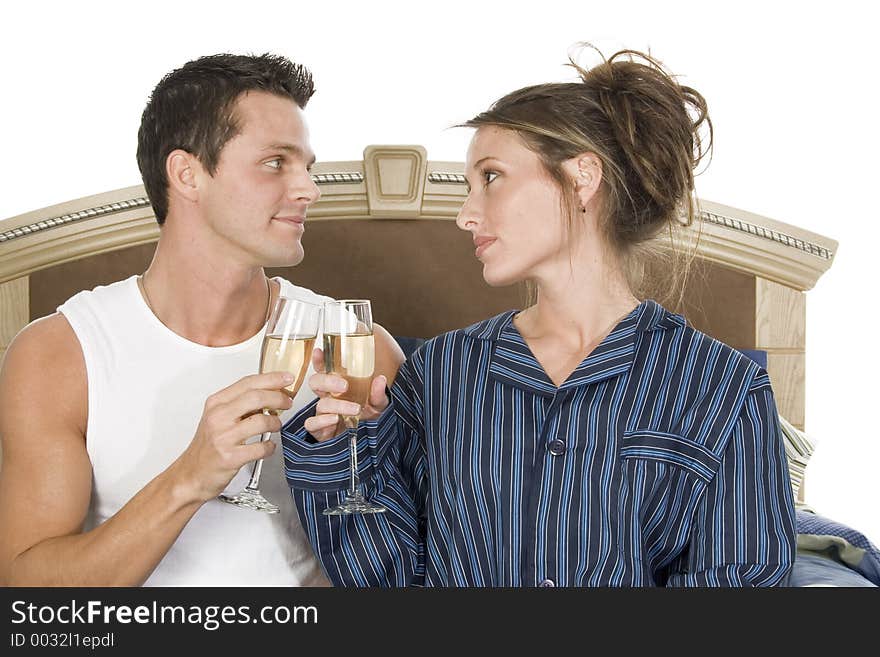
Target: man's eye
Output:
[(275, 164), (489, 176)]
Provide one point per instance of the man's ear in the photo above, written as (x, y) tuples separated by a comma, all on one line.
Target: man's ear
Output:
[(182, 170)]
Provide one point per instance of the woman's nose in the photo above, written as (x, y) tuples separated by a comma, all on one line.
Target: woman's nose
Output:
[(467, 217)]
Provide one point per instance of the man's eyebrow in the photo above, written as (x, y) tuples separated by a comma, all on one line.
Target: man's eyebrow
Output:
[(293, 150)]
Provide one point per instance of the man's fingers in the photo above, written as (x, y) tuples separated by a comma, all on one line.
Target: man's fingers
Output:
[(255, 451), (253, 401), (259, 423), (267, 381)]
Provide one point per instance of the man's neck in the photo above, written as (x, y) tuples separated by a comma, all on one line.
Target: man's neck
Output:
[(209, 302)]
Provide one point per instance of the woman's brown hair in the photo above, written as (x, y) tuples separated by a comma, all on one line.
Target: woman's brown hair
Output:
[(645, 128)]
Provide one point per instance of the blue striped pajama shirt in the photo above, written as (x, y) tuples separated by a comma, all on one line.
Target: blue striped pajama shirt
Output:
[(659, 461)]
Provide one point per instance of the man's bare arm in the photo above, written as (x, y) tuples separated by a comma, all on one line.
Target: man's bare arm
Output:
[(46, 477), (389, 355)]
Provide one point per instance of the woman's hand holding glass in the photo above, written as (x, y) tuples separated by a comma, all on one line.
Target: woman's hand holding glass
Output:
[(330, 410)]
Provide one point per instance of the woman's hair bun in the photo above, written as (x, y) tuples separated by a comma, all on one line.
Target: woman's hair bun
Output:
[(657, 125)]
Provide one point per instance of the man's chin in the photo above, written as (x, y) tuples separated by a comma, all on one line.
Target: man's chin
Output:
[(290, 259)]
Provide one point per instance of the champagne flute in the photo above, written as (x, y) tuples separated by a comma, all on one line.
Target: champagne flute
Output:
[(287, 347), (349, 351)]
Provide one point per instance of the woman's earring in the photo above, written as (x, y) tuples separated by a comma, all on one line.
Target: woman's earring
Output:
[(586, 179)]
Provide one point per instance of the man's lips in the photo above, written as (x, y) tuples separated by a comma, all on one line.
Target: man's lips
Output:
[(292, 219), (482, 243)]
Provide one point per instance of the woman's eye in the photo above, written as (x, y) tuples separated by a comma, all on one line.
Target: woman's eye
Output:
[(489, 176)]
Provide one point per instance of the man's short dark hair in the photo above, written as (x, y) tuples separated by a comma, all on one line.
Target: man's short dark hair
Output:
[(192, 109)]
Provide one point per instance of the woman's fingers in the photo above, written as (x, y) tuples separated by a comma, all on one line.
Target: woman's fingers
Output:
[(318, 359), (378, 398), (335, 406), (322, 426), (329, 409), (327, 384)]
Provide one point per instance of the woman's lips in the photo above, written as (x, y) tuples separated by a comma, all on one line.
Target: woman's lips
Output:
[(482, 243)]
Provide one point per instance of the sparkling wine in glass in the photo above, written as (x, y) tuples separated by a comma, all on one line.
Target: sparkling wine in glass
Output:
[(287, 347), (349, 351)]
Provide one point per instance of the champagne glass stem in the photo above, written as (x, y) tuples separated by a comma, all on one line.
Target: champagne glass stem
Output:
[(352, 447), (254, 483)]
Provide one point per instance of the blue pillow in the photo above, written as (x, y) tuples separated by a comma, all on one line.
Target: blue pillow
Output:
[(811, 569)]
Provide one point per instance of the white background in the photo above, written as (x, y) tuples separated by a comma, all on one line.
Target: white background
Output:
[(790, 86)]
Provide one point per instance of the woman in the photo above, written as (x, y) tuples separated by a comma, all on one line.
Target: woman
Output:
[(590, 439)]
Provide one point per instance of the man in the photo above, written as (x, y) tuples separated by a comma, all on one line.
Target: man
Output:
[(126, 413)]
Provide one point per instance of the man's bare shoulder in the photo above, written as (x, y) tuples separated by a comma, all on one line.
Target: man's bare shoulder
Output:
[(48, 341), (44, 364), (51, 326)]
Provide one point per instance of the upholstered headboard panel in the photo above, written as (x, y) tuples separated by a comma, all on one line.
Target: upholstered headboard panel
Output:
[(421, 276)]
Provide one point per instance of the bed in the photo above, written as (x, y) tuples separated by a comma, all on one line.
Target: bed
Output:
[(384, 230)]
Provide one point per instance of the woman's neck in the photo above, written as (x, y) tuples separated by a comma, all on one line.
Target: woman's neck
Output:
[(578, 306), (566, 325)]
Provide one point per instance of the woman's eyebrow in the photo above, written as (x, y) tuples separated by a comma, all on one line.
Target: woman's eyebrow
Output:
[(483, 159)]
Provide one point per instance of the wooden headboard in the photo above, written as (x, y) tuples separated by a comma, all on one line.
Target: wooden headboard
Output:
[(384, 229)]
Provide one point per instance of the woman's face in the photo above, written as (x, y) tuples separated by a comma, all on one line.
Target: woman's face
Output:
[(512, 209)]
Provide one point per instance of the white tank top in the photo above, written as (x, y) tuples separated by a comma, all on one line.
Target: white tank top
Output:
[(147, 388)]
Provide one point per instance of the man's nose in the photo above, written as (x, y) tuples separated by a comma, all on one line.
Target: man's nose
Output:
[(303, 187)]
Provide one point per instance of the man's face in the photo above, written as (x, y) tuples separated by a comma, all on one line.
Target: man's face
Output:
[(255, 203)]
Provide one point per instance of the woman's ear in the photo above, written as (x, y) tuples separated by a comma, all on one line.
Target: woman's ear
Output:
[(586, 172)]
